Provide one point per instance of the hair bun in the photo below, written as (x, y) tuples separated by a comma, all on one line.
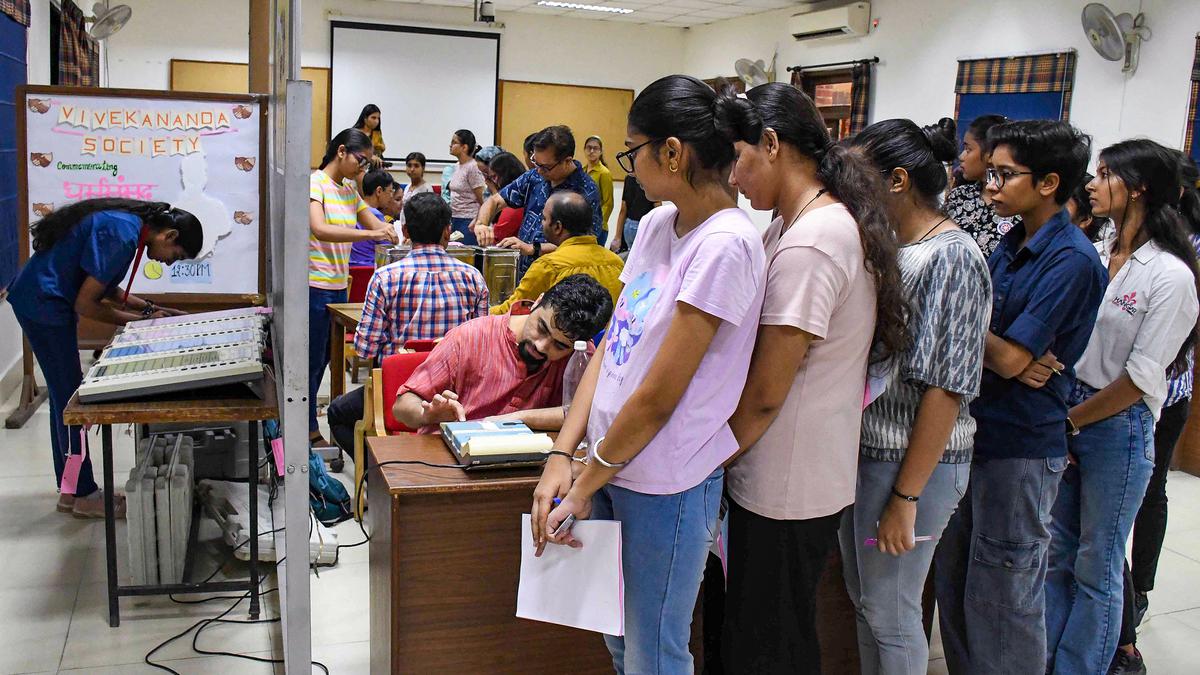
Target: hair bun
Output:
[(735, 117), (943, 139)]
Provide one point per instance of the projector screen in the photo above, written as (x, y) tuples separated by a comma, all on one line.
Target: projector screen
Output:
[(427, 82)]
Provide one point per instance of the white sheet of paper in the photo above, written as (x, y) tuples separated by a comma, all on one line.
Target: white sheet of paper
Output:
[(578, 587)]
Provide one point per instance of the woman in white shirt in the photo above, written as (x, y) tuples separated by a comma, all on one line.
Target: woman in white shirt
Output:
[(1145, 323)]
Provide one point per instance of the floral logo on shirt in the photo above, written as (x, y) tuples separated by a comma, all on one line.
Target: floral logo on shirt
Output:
[(1127, 302), (629, 316)]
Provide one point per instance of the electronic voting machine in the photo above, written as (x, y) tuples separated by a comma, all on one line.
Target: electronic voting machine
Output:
[(180, 353), (495, 445)]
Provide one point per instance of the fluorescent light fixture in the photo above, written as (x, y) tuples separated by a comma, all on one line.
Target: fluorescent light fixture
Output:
[(588, 8)]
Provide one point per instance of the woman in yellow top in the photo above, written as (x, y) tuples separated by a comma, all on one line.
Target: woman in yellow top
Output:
[(368, 123), (597, 170)]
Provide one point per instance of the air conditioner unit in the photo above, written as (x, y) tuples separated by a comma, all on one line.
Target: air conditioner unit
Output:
[(852, 20)]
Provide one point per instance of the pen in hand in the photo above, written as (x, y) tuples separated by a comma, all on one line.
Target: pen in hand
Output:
[(565, 525), (871, 541)]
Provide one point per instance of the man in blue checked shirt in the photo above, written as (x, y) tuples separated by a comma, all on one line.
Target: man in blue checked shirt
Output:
[(554, 169), (418, 298)]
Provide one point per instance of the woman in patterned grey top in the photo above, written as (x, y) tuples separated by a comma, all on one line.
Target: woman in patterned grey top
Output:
[(965, 204), (917, 435)]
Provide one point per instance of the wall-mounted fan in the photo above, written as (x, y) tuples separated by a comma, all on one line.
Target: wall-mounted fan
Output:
[(754, 73), (108, 20), (1116, 37)]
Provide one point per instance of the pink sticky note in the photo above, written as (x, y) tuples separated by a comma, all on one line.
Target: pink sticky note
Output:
[(277, 450)]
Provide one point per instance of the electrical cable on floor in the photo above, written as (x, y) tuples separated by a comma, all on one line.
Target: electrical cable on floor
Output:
[(199, 626)]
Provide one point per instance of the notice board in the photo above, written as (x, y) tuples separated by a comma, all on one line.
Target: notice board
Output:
[(203, 153)]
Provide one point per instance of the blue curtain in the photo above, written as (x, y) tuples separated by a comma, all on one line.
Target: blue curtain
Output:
[(12, 73)]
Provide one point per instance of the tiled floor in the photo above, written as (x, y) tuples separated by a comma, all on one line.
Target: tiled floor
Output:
[(52, 592)]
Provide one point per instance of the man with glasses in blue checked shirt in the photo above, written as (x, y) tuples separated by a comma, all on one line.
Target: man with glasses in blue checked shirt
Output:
[(554, 169)]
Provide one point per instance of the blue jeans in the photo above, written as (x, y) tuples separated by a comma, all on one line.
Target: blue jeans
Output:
[(57, 351), (464, 225), (991, 567), (664, 545), (318, 344), (886, 590), (1093, 516), (629, 232)]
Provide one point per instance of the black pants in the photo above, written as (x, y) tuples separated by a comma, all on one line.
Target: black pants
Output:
[(1151, 524), (343, 412), (771, 598)]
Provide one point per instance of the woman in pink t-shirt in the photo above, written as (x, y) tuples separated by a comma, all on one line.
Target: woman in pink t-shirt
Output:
[(833, 289), (654, 405), (466, 185)]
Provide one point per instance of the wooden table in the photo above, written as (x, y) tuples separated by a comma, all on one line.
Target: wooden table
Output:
[(445, 557), (222, 405), (343, 317)]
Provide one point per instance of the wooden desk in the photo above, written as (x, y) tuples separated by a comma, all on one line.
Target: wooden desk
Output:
[(445, 557), (343, 316), (223, 405)]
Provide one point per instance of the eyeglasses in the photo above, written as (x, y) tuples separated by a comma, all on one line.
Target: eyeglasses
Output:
[(625, 159), (544, 168), (1001, 176), (362, 161)]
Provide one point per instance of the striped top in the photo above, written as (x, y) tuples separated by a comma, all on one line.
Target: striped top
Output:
[(329, 262), (479, 361), (1179, 380)]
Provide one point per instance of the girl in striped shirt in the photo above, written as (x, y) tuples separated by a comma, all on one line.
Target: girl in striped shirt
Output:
[(334, 210)]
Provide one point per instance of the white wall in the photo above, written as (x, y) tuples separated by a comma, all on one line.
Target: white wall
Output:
[(534, 47), (919, 44)]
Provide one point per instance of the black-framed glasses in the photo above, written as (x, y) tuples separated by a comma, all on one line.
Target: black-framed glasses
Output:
[(1001, 176), (625, 158), (544, 168)]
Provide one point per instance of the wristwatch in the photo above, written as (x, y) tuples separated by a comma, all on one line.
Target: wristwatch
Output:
[(537, 249)]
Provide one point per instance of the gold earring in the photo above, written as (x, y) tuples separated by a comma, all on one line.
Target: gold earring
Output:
[(674, 168)]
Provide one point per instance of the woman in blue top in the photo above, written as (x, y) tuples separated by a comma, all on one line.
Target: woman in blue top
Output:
[(82, 252)]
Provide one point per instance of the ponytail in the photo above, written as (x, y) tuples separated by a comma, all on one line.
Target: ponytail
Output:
[(858, 185), (1189, 193), (159, 215)]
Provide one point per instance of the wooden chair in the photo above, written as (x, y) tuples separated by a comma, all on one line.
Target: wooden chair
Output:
[(360, 278), (379, 397)]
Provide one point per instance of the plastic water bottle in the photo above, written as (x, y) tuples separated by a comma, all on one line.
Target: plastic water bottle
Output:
[(573, 374)]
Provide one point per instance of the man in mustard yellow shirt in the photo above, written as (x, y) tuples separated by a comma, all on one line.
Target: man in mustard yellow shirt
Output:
[(567, 223)]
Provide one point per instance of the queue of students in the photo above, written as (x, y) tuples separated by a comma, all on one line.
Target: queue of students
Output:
[(1014, 436)]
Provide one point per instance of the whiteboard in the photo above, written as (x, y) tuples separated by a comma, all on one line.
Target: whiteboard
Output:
[(428, 83), (201, 156)]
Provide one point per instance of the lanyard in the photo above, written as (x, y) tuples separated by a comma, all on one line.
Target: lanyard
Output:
[(137, 260)]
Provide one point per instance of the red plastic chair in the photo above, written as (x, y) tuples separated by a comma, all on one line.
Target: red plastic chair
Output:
[(360, 277), (377, 413), (437, 190), (395, 371)]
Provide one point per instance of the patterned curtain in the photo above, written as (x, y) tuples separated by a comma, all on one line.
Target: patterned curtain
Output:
[(860, 96), (78, 53), (1189, 139), (1018, 75), (18, 10)]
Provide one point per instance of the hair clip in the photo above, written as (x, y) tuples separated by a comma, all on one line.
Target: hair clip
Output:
[(743, 97)]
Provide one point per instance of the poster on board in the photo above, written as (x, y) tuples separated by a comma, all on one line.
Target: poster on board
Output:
[(198, 155)]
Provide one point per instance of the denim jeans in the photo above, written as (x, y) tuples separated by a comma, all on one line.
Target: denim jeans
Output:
[(464, 225), (1093, 516), (664, 544), (342, 414), (991, 567), (629, 232), (886, 590), (318, 344), (57, 351)]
